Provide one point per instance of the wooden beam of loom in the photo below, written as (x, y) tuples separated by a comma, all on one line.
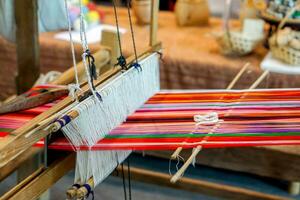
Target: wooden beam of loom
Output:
[(41, 180), (15, 163), (18, 141), (188, 184), (199, 186), (27, 44)]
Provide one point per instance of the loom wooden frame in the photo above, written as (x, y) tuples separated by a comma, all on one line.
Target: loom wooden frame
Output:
[(14, 145)]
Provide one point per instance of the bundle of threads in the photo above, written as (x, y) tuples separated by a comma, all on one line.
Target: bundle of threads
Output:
[(93, 14)]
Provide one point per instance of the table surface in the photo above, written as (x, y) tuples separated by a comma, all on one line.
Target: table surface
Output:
[(192, 57)]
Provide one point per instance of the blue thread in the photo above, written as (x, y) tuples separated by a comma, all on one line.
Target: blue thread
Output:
[(76, 185), (89, 191), (122, 62), (98, 96), (67, 119), (61, 122), (137, 66)]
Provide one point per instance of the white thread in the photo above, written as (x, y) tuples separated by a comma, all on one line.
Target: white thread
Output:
[(85, 48), (97, 164), (120, 98), (209, 119), (82, 29), (47, 78), (72, 87)]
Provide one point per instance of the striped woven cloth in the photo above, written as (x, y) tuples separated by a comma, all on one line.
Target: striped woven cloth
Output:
[(166, 121)]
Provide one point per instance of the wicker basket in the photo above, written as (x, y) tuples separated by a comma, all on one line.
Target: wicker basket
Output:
[(236, 43), (284, 53)]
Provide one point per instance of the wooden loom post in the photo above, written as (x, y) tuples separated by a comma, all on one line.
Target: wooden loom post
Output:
[(27, 44), (154, 22), (180, 172)]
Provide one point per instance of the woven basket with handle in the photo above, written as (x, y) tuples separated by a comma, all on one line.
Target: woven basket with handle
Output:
[(285, 53), (234, 42)]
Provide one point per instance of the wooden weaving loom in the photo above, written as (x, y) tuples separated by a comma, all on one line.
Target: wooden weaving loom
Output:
[(15, 147), (23, 138)]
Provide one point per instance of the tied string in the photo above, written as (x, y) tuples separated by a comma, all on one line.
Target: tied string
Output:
[(89, 191), (90, 68), (136, 65), (121, 59), (208, 120), (75, 87), (87, 57)]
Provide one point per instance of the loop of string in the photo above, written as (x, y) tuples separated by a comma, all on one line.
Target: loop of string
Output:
[(121, 59), (209, 119), (73, 88), (135, 64)]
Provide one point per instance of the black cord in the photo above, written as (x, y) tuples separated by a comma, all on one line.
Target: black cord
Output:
[(124, 183), (129, 179), (131, 29), (121, 59)]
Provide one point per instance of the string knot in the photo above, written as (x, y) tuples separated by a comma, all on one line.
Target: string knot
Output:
[(122, 62), (137, 66), (91, 62), (89, 191), (73, 88), (209, 119)]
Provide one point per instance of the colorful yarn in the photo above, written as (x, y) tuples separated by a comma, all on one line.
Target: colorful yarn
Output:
[(166, 121)]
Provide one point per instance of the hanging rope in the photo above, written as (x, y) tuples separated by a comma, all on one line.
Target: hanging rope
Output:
[(135, 64), (129, 179), (121, 59), (87, 58), (73, 88), (124, 183)]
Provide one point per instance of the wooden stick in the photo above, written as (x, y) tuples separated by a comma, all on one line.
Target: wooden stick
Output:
[(176, 153), (23, 183), (44, 180), (259, 80), (229, 87), (238, 76), (154, 22), (199, 186), (180, 172)]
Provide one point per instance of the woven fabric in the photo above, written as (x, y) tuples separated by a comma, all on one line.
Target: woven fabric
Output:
[(166, 121)]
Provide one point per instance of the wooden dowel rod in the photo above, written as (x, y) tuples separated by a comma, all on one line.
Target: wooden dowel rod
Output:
[(179, 173), (259, 80), (238, 76), (229, 87), (23, 183), (176, 153)]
